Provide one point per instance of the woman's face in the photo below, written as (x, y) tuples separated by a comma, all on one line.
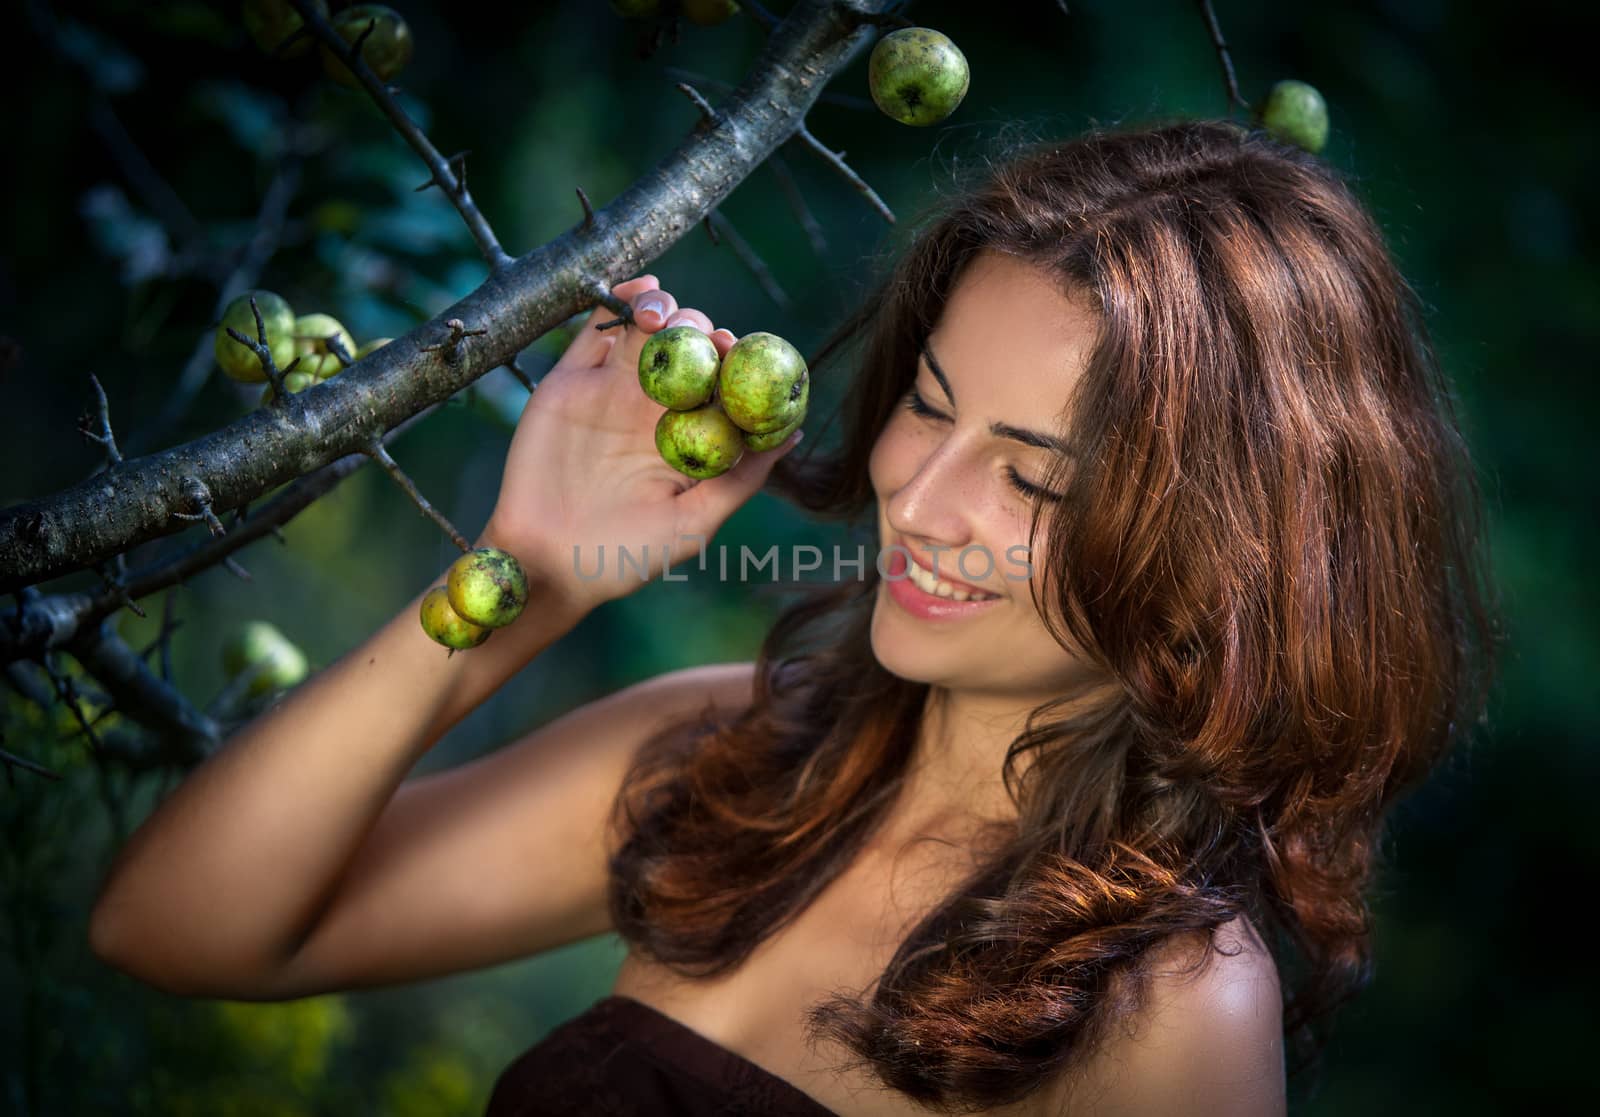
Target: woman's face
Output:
[(1007, 351)]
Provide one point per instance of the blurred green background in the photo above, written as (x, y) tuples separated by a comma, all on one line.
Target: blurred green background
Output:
[(1462, 126)]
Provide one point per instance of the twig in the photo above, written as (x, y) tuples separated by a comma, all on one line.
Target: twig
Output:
[(14, 761), (751, 258), (515, 368), (1228, 80), (836, 161), (103, 435), (797, 202), (588, 210), (382, 457), (455, 188)]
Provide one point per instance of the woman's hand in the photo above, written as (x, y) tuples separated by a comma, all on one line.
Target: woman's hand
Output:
[(583, 472)]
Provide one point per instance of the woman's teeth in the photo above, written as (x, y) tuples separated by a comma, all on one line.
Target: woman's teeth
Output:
[(927, 583)]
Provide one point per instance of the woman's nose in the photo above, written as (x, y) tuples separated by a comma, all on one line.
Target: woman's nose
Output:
[(935, 502)]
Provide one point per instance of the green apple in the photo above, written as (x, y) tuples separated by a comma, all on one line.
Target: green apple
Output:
[(487, 587), (700, 443), (445, 626), (917, 75), (1296, 114), (763, 383), (271, 22), (387, 49), (709, 13), (257, 642), (772, 439), (678, 367), (237, 359)]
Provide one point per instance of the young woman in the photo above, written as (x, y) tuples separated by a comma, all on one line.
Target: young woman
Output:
[(1159, 406)]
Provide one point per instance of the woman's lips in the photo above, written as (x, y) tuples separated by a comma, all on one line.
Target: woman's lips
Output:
[(921, 604)]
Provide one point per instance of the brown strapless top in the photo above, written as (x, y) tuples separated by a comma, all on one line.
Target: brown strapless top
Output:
[(623, 1058)]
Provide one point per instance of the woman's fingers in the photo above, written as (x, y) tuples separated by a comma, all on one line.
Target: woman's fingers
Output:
[(652, 308), (689, 317), (723, 340)]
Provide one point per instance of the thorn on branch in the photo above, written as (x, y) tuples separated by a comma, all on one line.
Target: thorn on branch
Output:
[(603, 296), (836, 161), (457, 165), (379, 454), (200, 499), (588, 210), (337, 348), (516, 370), (236, 569), (709, 117), (451, 345), (711, 230)]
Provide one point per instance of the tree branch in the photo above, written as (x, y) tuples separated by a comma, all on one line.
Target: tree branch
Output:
[(143, 498)]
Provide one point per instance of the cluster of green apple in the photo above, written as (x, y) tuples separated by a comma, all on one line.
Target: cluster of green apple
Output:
[(387, 49), (753, 398), (704, 13), (485, 589), (306, 348)]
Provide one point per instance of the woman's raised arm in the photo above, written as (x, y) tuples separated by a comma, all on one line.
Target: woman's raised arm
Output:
[(232, 876)]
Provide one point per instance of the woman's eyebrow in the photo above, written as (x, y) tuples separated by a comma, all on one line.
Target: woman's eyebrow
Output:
[(999, 430)]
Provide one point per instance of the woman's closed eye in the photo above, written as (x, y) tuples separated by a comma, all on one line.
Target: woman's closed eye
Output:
[(918, 406)]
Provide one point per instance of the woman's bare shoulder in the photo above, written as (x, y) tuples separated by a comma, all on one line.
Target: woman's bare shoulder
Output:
[(1206, 1038)]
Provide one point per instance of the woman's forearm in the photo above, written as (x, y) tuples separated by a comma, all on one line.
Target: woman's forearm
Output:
[(230, 872)]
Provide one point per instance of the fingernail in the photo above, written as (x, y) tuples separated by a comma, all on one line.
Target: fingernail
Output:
[(654, 304)]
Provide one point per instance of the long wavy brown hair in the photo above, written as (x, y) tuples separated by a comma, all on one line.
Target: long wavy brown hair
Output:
[(1274, 550)]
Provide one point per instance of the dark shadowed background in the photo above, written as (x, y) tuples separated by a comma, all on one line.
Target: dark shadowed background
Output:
[(1468, 129)]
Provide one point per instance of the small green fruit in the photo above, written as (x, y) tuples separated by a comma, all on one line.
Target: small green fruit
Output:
[(773, 439), (678, 367), (636, 9), (271, 22), (917, 75), (372, 346), (237, 359), (709, 13), (257, 642), (312, 334), (296, 381), (488, 587), (700, 443), (1296, 114), (763, 383), (445, 626), (387, 49)]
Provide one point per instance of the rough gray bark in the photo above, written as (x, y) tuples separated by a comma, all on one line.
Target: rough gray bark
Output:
[(142, 498)]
